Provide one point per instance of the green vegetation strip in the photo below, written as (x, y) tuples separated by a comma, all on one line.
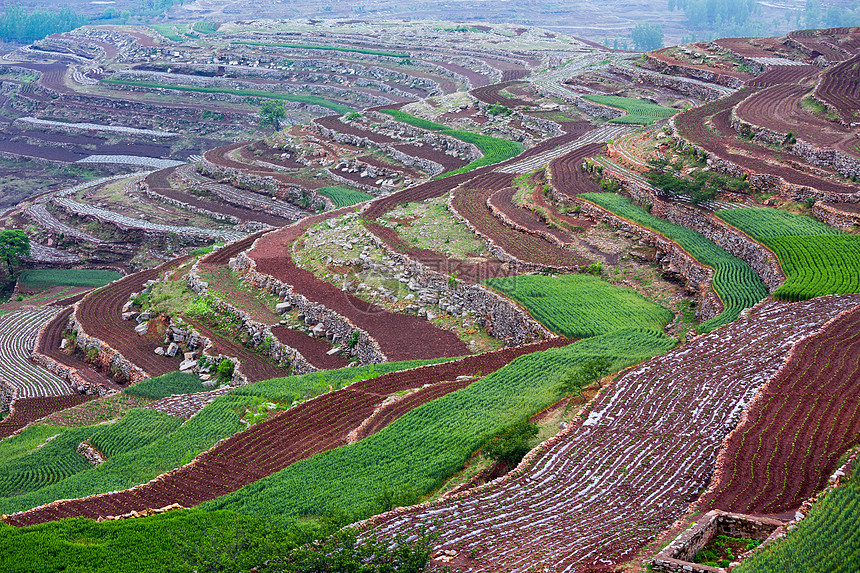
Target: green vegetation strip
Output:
[(145, 443), (323, 47), (816, 259), (344, 196), (827, 540), (639, 112), (69, 277), (495, 150), (579, 306), (734, 281), (308, 99), (412, 456), (167, 385)]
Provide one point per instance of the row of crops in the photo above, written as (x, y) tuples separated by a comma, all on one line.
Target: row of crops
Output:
[(147, 443), (308, 99), (323, 47), (816, 259), (639, 112), (826, 541), (343, 196), (494, 149), (417, 452), (67, 277), (737, 285), (579, 306)]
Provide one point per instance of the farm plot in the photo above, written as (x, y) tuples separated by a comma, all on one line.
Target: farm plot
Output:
[(797, 429), (400, 336), (470, 202), (308, 428), (840, 87), (424, 447), (825, 541), (28, 410), (334, 123), (722, 140), (778, 75), (100, 315), (18, 333), (644, 451), (734, 281), (639, 112), (592, 142), (253, 206), (816, 259), (567, 175), (579, 306), (42, 217), (495, 150), (491, 94), (344, 196), (780, 109)]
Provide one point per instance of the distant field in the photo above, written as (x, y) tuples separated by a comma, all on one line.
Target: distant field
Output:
[(639, 112), (578, 306), (323, 47), (308, 99), (344, 196), (68, 277), (494, 149)]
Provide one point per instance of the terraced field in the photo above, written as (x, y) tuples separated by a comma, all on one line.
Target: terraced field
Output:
[(18, 334), (643, 452)]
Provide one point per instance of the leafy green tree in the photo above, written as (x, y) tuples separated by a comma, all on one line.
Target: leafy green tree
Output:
[(594, 369), (647, 37), (273, 112), (512, 444), (14, 244), (225, 369)]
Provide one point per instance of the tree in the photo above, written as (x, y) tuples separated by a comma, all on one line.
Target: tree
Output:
[(512, 444), (14, 244), (647, 37), (273, 112), (589, 371)]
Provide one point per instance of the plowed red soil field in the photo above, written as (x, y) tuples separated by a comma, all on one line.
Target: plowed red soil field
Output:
[(31, 409), (798, 427)]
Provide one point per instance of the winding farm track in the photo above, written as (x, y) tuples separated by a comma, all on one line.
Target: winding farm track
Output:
[(600, 490), (100, 315), (18, 333), (804, 420), (309, 428), (722, 141), (27, 410), (400, 336)]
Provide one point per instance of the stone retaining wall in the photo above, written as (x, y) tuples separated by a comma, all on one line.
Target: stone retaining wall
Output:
[(678, 69), (677, 83), (107, 355), (830, 216), (675, 260), (143, 187), (260, 334), (341, 330), (502, 318)]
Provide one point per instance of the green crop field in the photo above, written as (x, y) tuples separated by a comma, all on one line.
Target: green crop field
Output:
[(494, 149), (428, 444), (324, 47), (308, 99), (68, 277), (167, 385), (827, 540), (579, 306), (816, 259), (639, 112), (734, 281), (344, 196)]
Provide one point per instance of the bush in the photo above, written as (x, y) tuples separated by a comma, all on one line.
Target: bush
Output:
[(511, 445), (225, 369)]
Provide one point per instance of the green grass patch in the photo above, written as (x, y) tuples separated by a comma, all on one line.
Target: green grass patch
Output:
[(205, 27), (324, 47), (68, 277), (415, 454), (167, 385), (639, 112), (817, 260), (734, 281), (344, 196), (308, 99), (579, 306), (27, 441), (495, 150), (168, 32)]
